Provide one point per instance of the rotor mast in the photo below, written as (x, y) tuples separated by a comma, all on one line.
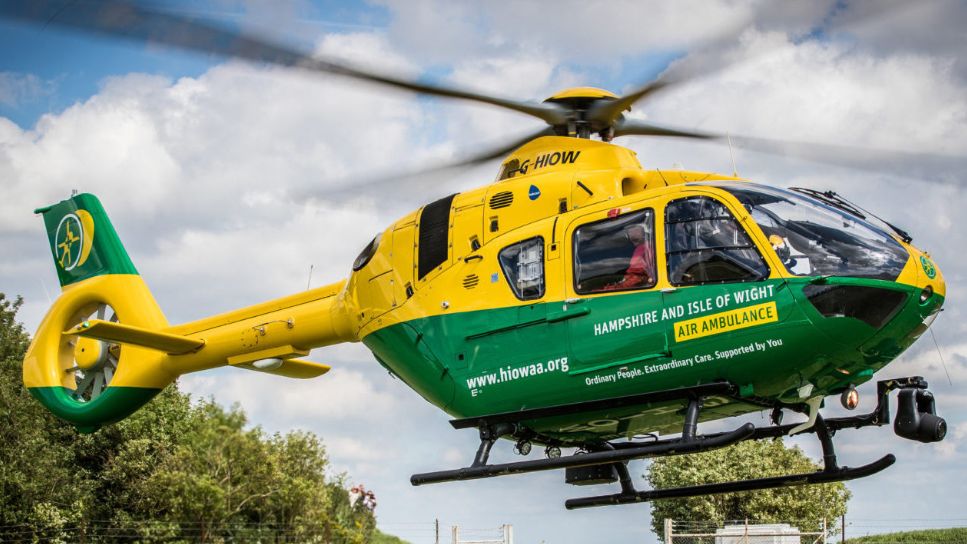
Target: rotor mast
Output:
[(577, 101)]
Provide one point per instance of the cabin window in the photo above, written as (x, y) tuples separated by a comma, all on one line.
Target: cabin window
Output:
[(366, 254), (509, 169), (523, 265), (705, 244), (616, 254)]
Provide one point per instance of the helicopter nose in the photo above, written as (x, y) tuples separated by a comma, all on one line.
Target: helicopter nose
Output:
[(922, 272), (917, 314)]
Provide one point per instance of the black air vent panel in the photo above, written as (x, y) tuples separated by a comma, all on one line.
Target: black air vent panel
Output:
[(434, 235), (502, 199)]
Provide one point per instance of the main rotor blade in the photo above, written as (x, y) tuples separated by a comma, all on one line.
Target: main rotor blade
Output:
[(684, 70), (928, 165), (933, 166), (495, 153), (627, 127), (606, 112), (134, 21), (378, 181)]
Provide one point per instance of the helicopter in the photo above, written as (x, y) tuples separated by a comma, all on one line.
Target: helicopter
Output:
[(579, 301)]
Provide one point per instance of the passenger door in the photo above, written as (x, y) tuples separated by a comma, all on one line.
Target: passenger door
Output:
[(614, 306)]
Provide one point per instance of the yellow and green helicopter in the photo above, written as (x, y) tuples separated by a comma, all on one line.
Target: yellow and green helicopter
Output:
[(579, 301)]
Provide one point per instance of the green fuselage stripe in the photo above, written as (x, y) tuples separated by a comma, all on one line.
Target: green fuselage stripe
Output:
[(113, 404), (509, 359)]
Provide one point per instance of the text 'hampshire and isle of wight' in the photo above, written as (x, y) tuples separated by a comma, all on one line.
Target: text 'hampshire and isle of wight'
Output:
[(686, 309)]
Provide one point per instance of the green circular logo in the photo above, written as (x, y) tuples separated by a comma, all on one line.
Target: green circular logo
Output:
[(928, 268)]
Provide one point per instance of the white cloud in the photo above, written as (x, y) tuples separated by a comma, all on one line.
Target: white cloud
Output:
[(580, 31), (16, 88), (201, 175), (824, 92), (369, 51), (339, 395)]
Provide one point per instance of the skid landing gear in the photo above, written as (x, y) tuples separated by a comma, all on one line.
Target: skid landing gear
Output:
[(614, 453), (831, 472), (606, 462)]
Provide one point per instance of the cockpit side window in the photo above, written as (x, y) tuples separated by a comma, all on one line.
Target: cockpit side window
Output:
[(523, 265), (616, 254), (705, 244)]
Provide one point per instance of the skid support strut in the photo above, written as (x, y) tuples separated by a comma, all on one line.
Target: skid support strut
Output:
[(688, 443)]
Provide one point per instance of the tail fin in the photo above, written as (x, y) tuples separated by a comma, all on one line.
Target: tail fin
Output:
[(104, 348), (83, 241)]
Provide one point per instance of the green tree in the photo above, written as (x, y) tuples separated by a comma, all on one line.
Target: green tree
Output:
[(42, 489), (175, 471), (806, 505)]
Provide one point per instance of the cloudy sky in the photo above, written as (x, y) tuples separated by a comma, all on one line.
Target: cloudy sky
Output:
[(200, 162)]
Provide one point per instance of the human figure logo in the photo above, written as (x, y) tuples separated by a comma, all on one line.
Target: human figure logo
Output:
[(68, 241)]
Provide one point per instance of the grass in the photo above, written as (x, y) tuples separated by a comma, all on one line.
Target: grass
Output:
[(382, 538), (929, 536)]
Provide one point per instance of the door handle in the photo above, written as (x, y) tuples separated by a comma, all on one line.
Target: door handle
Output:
[(564, 313)]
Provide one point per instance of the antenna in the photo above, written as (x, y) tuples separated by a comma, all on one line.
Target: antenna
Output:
[(940, 353), (309, 281), (735, 171), (46, 292)]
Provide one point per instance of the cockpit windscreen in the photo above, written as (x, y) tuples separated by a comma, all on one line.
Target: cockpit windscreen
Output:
[(813, 239)]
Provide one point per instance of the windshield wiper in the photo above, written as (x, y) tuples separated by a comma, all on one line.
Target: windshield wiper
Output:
[(835, 200)]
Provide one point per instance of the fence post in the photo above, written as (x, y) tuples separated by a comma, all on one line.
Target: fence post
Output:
[(455, 533), (508, 534), (668, 531), (746, 535)]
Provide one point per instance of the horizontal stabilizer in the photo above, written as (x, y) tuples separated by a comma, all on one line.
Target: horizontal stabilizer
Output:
[(290, 368), (280, 361), (109, 331)]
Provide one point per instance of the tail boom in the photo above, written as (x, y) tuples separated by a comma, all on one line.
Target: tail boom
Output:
[(92, 371)]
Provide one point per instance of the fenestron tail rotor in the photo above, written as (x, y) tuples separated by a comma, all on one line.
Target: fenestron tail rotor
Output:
[(95, 361)]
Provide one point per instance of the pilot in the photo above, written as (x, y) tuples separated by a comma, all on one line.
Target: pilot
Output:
[(641, 267)]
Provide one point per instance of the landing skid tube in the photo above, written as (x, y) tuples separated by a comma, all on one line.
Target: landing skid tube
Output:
[(654, 449), (831, 472), (616, 454), (821, 477)]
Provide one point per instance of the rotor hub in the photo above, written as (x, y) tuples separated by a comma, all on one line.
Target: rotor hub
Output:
[(577, 102), (90, 353)]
